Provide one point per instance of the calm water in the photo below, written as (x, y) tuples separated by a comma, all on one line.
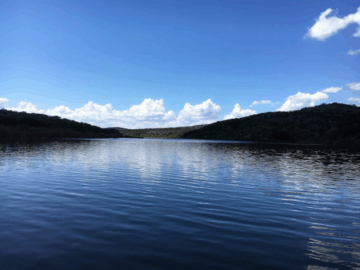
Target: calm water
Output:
[(173, 204)]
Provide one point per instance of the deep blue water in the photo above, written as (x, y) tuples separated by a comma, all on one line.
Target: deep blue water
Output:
[(178, 204)]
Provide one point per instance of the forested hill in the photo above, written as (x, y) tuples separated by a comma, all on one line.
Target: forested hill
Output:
[(329, 124), (16, 126)]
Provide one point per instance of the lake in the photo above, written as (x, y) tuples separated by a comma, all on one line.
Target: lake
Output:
[(178, 204)]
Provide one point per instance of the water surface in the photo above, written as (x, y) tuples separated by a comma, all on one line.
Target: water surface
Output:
[(178, 204)]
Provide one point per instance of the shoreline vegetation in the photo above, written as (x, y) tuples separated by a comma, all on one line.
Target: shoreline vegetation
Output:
[(332, 124), (22, 126), (161, 133)]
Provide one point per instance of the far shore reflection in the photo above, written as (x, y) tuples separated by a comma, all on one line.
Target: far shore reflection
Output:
[(291, 193)]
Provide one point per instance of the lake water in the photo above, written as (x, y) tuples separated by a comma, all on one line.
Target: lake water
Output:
[(178, 204)]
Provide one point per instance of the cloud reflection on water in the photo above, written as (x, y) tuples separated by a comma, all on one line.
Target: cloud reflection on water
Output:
[(323, 182)]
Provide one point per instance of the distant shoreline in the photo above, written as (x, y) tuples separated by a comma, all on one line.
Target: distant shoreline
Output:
[(327, 124)]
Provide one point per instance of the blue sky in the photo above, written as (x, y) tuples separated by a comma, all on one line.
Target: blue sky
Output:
[(169, 63)]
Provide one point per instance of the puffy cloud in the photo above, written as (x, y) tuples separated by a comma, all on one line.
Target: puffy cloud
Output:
[(204, 113), (147, 114), (355, 86), (150, 113), (3, 102), (326, 27), (150, 110), (301, 100), (354, 52), (354, 100), (238, 112), (331, 90), (26, 107)]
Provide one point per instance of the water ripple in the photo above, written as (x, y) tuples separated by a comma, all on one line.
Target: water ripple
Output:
[(160, 204)]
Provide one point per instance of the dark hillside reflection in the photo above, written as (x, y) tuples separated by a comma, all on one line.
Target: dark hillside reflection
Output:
[(127, 202)]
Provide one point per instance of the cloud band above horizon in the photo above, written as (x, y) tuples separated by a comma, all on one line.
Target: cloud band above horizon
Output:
[(153, 114), (149, 114)]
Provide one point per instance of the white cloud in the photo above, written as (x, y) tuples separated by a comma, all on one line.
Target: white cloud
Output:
[(256, 102), (26, 107), (261, 102), (150, 113), (331, 90), (354, 52), (204, 113), (301, 100), (238, 112), (354, 100), (355, 86), (3, 102), (326, 27)]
